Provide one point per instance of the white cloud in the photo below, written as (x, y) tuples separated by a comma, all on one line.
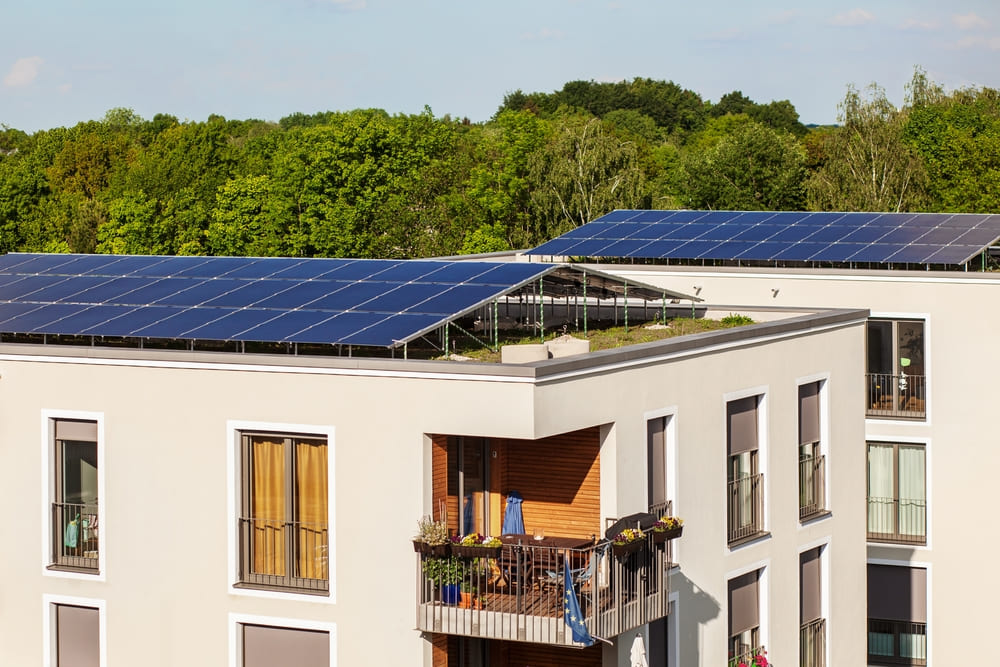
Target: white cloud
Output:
[(969, 21), (24, 71), (916, 24), (978, 42), (853, 17), (544, 33)]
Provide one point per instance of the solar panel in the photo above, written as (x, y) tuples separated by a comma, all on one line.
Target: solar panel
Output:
[(878, 238)]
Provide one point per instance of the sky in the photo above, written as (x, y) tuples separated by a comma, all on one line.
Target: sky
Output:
[(67, 61)]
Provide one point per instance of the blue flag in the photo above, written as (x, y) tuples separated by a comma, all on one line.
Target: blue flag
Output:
[(571, 610)]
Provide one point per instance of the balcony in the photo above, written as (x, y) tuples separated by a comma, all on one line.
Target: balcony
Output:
[(746, 509), (900, 521), (284, 555), (812, 486), (518, 594), (896, 642), (898, 396), (76, 545), (747, 657), (812, 644)]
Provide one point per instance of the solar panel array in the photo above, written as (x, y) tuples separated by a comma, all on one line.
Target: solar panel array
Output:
[(914, 238), (351, 302)]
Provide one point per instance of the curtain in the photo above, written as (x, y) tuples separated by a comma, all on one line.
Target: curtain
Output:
[(267, 506), (912, 495), (880, 489), (311, 504)]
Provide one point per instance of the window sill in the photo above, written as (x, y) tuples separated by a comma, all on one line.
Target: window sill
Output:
[(312, 592), (749, 539), (55, 567), (814, 517)]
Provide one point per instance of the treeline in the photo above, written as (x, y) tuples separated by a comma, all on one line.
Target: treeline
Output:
[(365, 183)]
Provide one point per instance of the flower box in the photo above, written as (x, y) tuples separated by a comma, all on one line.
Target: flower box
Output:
[(622, 550), (465, 551), (421, 547), (439, 550), (661, 536)]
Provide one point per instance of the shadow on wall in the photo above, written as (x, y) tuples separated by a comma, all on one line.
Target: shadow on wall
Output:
[(696, 609)]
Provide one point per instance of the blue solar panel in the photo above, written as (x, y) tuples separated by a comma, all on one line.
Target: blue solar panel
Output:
[(233, 323), (865, 235), (395, 328), (265, 267), (338, 328), (82, 321), (250, 293), (66, 288), (23, 289), (460, 272), (452, 301), (402, 298), (619, 215), (181, 321), (297, 295), (35, 321)]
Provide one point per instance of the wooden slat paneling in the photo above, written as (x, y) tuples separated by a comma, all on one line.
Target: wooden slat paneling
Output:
[(439, 472), (539, 655)]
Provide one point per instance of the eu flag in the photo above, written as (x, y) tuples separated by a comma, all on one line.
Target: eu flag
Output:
[(571, 610)]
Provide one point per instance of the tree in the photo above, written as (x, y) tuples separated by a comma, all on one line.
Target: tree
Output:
[(752, 168), (868, 166)]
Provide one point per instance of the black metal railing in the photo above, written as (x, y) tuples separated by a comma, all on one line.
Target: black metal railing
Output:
[(746, 507), (518, 593), (284, 555), (812, 485), (896, 642), (901, 521), (661, 510), (896, 395), (812, 644), (75, 536)]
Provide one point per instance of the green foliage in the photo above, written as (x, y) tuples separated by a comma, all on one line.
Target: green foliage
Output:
[(736, 320), (445, 571)]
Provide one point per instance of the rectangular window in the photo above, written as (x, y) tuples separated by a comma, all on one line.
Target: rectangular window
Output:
[(77, 636), (896, 378), (744, 618), (746, 483), (897, 615), (812, 462), (812, 634), (75, 526), (267, 646), (897, 493), (284, 514), (656, 461)]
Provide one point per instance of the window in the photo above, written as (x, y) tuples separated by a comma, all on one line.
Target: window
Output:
[(812, 633), (896, 376), (744, 618), (656, 461), (897, 497), (75, 518), (270, 646), (812, 462), (897, 615), (74, 632), (284, 512), (746, 483)]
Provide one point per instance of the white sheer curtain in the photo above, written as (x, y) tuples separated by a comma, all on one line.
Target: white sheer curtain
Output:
[(912, 491), (880, 489)]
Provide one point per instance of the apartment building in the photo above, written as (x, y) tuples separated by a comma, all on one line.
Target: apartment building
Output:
[(222, 461), (927, 394)]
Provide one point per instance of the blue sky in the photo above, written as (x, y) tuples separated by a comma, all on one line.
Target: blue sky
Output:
[(64, 61)]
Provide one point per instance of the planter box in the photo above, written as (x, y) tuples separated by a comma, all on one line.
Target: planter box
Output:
[(438, 550), (661, 537), (475, 552), (623, 550)]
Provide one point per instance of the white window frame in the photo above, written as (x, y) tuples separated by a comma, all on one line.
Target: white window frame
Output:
[(234, 432), (763, 595), (824, 441), (928, 366), (237, 621), (48, 420), (825, 544), (763, 392), (928, 486), (49, 627), (670, 459), (930, 592)]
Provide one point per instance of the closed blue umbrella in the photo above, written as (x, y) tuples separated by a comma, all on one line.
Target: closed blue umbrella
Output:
[(513, 520)]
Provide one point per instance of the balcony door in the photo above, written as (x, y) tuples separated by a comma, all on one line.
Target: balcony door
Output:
[(468, 480)]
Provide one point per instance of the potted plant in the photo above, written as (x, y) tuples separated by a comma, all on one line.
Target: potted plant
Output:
[(431, 537), (667, 528), (446, 574), (628, 541), (475, 545)]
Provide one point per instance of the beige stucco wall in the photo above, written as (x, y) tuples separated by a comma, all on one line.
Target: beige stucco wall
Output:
[(168, 486), (961, 324)]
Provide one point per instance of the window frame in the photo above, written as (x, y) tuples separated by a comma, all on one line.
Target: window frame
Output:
[(759, 460), (895, 318), (50, 568), (821, 447), (928, 611), (237, 621), (235, 429), (763, 569), (50, 626), (896, 442)]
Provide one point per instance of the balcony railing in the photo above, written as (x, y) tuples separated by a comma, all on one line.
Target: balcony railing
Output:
[(660, 510), (896, 642), (896, 395), (812, 644), (519, 596), (746, 507), (812, 486), (75, 538), (746, 657), (901, 521), (284, 555)]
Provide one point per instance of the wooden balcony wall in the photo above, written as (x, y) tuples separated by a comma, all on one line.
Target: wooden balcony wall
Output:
[(559, 478), (517, 654)]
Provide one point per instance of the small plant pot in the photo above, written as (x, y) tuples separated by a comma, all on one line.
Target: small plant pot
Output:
[(421, 547), (451, 594), (465, 600)]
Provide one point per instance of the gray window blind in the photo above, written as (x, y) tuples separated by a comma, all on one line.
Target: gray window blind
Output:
[(810, 603), (742, 425), (78, 636), (79, 431), (809, 413), (897, 593), (744, 602), (267, 646)]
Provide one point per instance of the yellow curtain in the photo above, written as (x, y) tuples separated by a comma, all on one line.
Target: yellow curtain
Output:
[(267, 506), (310, 500)]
